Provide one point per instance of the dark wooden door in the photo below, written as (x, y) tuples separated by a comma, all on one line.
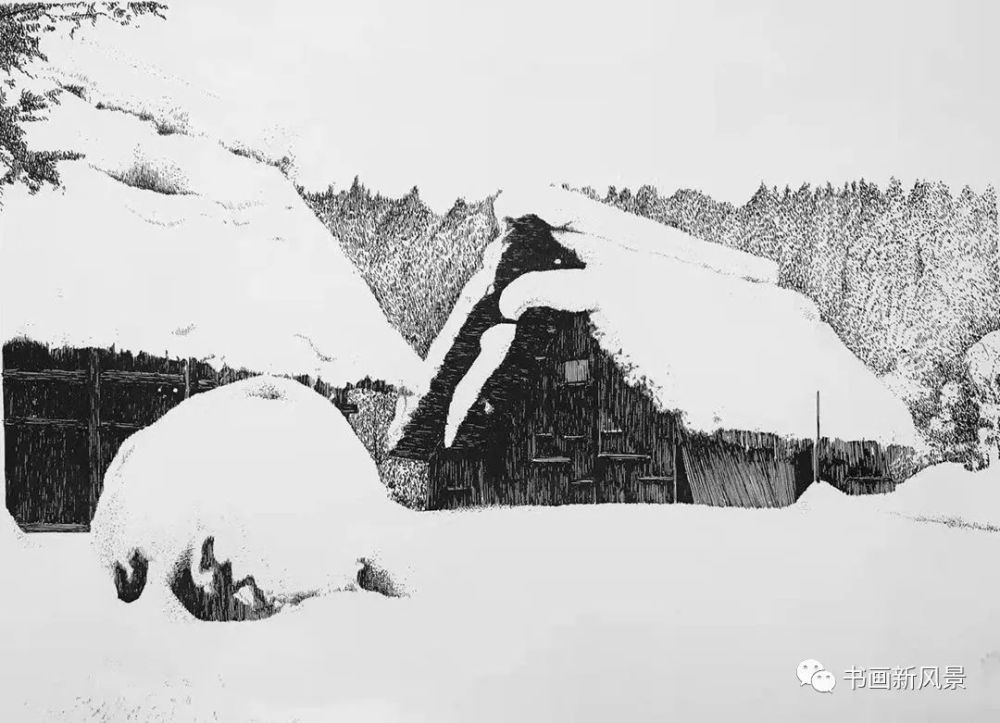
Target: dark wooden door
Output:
[(47, 440), (66, 413)]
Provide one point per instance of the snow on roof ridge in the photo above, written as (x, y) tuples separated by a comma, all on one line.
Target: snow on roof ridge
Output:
[(571, 212)]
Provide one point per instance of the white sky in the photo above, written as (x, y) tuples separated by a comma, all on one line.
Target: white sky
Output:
[(461, 100)]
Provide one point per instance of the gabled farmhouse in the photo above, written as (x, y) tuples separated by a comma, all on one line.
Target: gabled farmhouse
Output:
[(163, 267), (601, 357)]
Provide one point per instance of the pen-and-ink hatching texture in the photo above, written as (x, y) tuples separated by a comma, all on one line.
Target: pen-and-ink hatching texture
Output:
[(908, 280), (415, 261), (21, 28)]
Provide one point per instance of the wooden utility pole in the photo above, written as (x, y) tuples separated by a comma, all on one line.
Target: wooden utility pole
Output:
[(95, 460), (816, 444), (190, 377)]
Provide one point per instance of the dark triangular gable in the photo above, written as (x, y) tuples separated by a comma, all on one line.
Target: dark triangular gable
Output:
[(530, 246)]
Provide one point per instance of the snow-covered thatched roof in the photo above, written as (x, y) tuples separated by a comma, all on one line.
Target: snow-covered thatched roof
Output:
[(703, 328), (172, 244)]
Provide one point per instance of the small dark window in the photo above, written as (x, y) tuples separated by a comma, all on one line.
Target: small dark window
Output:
[(577, 371)]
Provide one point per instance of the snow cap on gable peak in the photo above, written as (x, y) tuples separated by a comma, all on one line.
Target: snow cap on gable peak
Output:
[(597, 228)]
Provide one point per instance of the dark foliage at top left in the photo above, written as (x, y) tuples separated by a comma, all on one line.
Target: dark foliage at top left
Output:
[(21, 28)]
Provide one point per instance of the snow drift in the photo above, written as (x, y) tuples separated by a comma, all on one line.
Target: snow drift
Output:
[(171, 244), (11, 537), (266, 468), (949, 494), (658, 602)]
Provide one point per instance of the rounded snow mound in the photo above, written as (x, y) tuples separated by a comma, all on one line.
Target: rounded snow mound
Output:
[(243, 500), (951, 494)]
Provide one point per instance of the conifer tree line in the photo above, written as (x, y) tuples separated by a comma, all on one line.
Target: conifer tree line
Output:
[(909, 280)]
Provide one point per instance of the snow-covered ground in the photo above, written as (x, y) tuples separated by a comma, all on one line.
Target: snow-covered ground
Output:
[(947, 494), (614, 612)]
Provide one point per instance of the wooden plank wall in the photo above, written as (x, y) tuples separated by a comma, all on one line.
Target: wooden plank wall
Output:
[(746, 469), (630, 423), (67, 411), (607, 441), (863, 467)]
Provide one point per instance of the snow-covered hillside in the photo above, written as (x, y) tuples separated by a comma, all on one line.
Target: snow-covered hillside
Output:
[(172, 244)]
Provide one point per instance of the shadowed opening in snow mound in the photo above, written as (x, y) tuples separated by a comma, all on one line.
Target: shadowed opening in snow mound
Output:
[(130, 587), (223, 599)]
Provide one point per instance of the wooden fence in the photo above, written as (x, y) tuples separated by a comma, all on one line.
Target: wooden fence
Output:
[(67, 411)]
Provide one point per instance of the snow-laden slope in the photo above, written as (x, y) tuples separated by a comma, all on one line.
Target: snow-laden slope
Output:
[(169, 243), (269, 469), (948, 494), (110, 65)]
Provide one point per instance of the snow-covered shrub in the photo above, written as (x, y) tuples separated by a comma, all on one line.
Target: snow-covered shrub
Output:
[(371, 422), (242, 501), (983, 363), (405, 479), (167, 121), (951, 418), (151, 177)]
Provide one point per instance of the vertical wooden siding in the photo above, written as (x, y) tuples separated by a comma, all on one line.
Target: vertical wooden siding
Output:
[(67, 411), (595, 438)]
